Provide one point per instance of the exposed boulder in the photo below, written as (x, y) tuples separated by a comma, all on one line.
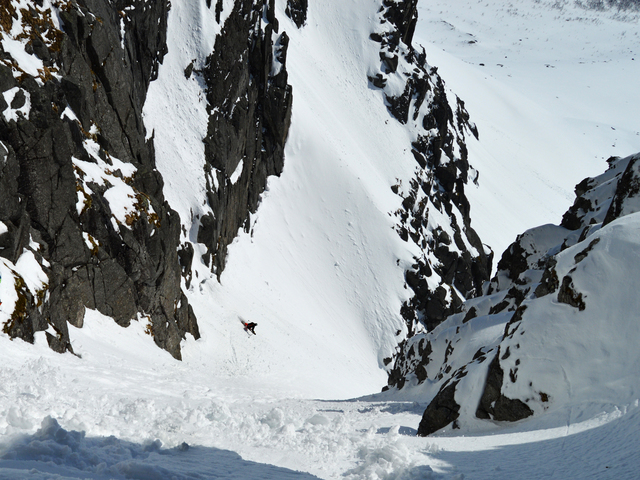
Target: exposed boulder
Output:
[(494, 404), (568, 294), (442, 411)]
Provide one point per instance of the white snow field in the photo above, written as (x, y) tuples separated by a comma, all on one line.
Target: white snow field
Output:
[(553, 90), (322, 270)]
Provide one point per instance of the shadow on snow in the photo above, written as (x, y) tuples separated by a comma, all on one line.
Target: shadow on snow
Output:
[(55, 453)]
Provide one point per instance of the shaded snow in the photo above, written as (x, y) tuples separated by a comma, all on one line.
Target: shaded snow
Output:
[(55, 453)]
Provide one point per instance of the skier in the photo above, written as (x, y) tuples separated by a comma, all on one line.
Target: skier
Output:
[(250, 327)]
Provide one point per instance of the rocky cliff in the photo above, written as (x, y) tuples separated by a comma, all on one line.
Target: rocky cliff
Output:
[(250, 111), (80, 194), (435, 213), (81, 202)]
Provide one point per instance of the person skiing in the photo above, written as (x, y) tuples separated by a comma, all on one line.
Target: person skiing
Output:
[(250, 327)]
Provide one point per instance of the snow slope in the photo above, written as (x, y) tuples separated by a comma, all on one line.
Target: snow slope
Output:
[(552, 88), (322, 270), (137, 413), (340, 275)]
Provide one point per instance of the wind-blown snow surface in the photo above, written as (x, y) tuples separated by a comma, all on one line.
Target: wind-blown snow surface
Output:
[(322, 275)]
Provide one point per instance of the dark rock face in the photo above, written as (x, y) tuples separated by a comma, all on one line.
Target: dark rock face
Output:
[(84, 114), (442, 169), (250, 112), (493, 404), (442, 411), (297, 11)]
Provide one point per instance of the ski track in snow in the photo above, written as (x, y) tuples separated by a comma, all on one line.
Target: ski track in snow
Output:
[(238, 405)]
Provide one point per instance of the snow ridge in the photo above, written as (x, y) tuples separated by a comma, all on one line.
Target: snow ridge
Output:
[(518, 350)]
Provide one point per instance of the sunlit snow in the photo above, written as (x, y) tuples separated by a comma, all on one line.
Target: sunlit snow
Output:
[(321, 270)]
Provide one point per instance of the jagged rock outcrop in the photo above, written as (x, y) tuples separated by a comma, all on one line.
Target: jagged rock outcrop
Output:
[(250, 111), (297, 11), (79, 193), (442, 411), (544, 264), (435, 213)]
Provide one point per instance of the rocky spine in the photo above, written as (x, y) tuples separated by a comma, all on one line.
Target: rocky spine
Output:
[(435, 213), (250, 105)]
